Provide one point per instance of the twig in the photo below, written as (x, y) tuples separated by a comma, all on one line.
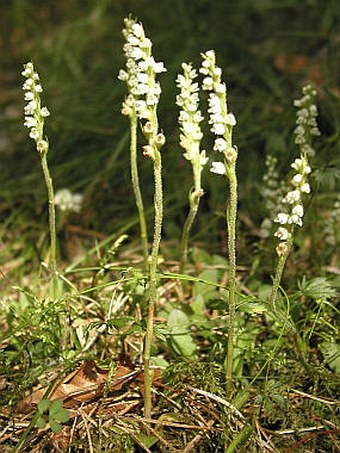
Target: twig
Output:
[(196, 439), (218, 399), (315, 398)]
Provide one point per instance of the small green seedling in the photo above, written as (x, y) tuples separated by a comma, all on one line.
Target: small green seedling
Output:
[(54, 413)]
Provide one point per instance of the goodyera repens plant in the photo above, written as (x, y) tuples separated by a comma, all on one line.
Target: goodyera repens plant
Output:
[(222, 123), (292, 215), (140, 105), (190, 139), (35, 116), (141, 102)]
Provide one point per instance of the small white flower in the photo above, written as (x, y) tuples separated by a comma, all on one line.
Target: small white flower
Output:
[(30, 107), (142, 77), (123, 75), (292, 197), (305, 188), (30, 121), (28, 84), (295, 219), (297, 179), (298, 210), (282, 233), (203, 158), (282, 218), (159, 67), (230, 119), (218, 168), (231, 154), (34, 133), (29, 96), (220, 145), (42, 146), (218, 129), (297, 164), (207, 83), (44, 112), (218, 72), (282, 248), (220, 87), (313, 110)]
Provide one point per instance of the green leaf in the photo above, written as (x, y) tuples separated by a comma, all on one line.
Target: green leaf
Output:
[(252, 307), (161, 332), (56, 427), (331, 353), (200, 256), (148, 441), (180, 337), (159, 362), (316, 288), (198, 305), (41, 423), (43, 405), (203, 289), (58, 412)]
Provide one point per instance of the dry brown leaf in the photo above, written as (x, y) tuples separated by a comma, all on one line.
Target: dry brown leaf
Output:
[(82, 385)]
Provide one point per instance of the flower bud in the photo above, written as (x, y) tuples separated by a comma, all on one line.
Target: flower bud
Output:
[(159, 140), (42, 146)]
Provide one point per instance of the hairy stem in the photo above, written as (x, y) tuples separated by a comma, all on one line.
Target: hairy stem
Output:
[(158, 202), (52, 222), (136, 188), (231, 215)]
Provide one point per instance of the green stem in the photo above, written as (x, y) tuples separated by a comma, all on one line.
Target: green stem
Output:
[(231, 214), (243, 435), (136, 188), (194, 201), (52, 223), (158, 201), (278, 276)]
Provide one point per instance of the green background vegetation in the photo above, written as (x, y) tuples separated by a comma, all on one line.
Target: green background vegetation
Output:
[(76, 47)]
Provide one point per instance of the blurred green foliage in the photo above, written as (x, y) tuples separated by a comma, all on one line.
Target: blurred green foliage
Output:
[(77, 49)]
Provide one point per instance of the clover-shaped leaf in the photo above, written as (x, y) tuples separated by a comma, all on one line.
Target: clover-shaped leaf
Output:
[(57, 414)]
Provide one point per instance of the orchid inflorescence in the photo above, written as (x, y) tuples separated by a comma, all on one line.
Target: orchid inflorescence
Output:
[(306, 126), (189, 119), (272, 190), (140, 77), (221, 121), (34, 114), (305, 130)]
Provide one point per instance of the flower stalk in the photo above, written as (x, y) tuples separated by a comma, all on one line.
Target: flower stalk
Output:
[(142, 102), (292, 213), (34, 119), (222, 123)]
